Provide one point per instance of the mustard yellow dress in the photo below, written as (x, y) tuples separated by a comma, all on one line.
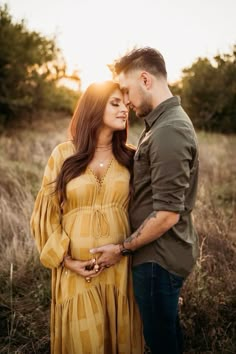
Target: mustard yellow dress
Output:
[(100, 317)]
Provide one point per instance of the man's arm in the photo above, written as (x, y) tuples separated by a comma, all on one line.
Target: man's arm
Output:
[(153, 227)]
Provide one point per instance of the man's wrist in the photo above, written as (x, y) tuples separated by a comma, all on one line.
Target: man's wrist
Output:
[(125, 251)]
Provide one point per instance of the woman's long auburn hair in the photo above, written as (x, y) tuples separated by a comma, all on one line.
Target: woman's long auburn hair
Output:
[(84, 129)]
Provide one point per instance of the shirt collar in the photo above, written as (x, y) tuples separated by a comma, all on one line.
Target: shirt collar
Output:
[(161, 108)]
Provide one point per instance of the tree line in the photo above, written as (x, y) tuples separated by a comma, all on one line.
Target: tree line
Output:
[(208, 92), (31, 66)]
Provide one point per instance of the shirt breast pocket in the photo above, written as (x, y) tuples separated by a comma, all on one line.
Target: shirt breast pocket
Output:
[(141, 166)]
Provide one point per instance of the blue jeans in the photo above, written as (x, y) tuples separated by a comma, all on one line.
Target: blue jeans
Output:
[(157, 294)]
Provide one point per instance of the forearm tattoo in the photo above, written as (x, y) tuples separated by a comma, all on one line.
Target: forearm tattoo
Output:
[(138, 232)]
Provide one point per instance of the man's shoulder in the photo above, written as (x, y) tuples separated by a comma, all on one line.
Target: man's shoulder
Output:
[(177, 132), (174, 119), (175, 114)]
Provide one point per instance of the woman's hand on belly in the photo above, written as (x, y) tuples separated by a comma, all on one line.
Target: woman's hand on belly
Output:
[(84, 268)]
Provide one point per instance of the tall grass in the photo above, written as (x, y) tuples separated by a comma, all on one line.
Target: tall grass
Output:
[(24, 284), (208, 301), (209, 295)]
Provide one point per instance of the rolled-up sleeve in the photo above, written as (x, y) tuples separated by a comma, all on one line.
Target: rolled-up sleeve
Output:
[(170, 160)]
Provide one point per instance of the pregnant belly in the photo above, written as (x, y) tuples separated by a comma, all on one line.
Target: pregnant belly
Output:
[(94, 229)]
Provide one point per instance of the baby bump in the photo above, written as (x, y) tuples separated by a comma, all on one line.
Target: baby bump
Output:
[(94, 228)]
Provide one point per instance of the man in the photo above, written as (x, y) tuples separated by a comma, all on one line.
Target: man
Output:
[(164, 242)]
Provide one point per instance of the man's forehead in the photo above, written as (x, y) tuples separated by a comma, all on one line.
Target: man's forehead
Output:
[(127, 77), (123, 80)]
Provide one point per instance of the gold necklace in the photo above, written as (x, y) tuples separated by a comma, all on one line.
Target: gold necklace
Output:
[(103, 147)]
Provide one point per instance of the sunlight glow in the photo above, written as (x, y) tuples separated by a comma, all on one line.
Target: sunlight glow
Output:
[(91, 34), (95, 73)]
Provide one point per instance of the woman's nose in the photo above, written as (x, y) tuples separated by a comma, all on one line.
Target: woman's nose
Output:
[(124, 108)]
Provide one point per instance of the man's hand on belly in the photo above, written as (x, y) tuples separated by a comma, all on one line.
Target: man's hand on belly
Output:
[(110, 255)]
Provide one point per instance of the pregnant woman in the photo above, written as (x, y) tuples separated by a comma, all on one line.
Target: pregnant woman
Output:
[(82, 204)]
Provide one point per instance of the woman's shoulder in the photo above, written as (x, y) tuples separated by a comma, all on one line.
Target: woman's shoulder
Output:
[(63, 150)]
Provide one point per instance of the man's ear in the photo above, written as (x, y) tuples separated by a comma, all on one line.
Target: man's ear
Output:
[(146, 79)]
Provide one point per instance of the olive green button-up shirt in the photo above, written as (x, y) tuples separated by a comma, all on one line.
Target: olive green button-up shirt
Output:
[(165, 179)]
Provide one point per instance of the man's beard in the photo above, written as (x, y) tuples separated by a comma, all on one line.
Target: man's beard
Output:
[(146, 105), (144, 109)]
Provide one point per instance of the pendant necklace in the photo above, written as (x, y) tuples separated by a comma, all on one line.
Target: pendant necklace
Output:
[(101, 163), (103, 148)]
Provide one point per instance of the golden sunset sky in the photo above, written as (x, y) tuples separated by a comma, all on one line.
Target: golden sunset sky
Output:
[(93, 33)]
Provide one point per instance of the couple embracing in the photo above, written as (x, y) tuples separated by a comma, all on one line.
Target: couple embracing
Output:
[(113, 222)]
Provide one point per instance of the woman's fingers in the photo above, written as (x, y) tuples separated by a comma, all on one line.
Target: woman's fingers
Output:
[(89, 265), (90, 273), (87, 269)]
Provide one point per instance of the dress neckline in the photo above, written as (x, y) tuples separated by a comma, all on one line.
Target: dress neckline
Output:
[(101, 179)]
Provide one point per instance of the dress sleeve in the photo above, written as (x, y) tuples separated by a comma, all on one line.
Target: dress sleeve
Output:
[(51, 240)]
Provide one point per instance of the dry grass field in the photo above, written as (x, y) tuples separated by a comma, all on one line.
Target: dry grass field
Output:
[(208, 306)]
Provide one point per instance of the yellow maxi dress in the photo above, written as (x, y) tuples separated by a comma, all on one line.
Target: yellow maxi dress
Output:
[(100, 317)]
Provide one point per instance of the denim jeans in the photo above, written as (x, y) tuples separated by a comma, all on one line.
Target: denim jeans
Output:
[(157, 295)]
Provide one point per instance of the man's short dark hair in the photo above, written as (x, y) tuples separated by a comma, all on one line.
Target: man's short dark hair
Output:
[(146, 58)]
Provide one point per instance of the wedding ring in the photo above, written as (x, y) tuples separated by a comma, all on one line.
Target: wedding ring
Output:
[(107, 266), (88, 279)]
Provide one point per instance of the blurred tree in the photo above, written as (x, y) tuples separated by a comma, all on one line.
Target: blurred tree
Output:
[(208, 92), (30, 67)]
